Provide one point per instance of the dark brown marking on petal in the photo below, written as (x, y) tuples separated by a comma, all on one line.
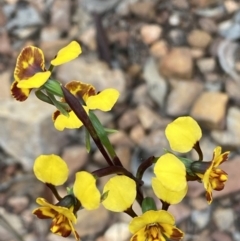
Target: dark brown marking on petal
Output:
[(61, 226), (177, 234), (29, 62), (224, 157), (55, 115), (38, 212), (18, 93), (134, 238)]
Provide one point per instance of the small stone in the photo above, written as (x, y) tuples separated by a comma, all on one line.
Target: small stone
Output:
[(213, 82), (180, 211), (141, 96), (157, 85), (159, 49), (206, 65), (148, 118), (177, 64), (208, 25), (178, 103), (124, 154), (218, 235), (117, 232), (18, 203), (150, 33), (233, 90), (128, 120), (210, 109), (5, 85), (87, 225), (60, 15), (180, 4), (88, 38), (224, 218), (177, 37), (137, 133), (231, 6), (231, 136), (199, 203), (35, 127), (75, 157), (144, 9), (120, 138), (197, 53), (199, 39), (201, 217), (203, 3), (174, 20), (10, 218), (50, 33), (3, 18), (195, 189), (5, 46), (153, 141)]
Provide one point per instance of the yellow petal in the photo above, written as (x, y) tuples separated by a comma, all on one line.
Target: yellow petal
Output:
[(171, 171), (35, 81), (121, 193), (104, 101), (51, 169), (149, 217), (67, 54), (168, 195), (183, 133), (85, 190), (71, 122)]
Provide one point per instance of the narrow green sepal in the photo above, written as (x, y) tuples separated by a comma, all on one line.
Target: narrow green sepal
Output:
[(59, 105), (43, 97), (53, 87), (102, 133), (87, 141), (110, 131), (104, 196), (148, 204)]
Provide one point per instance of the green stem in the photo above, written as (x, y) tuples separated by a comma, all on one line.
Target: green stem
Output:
[(82, 115)]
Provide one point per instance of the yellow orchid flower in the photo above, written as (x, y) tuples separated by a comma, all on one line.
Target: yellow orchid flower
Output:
[(154, 225), (63, 217), (213, 178), (103, 101), (30, 71)]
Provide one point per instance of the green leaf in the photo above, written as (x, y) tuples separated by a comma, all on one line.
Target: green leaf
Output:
[(102, 134), (87, 141)]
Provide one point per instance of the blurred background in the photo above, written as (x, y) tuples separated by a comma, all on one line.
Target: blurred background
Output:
[(168, 58)]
